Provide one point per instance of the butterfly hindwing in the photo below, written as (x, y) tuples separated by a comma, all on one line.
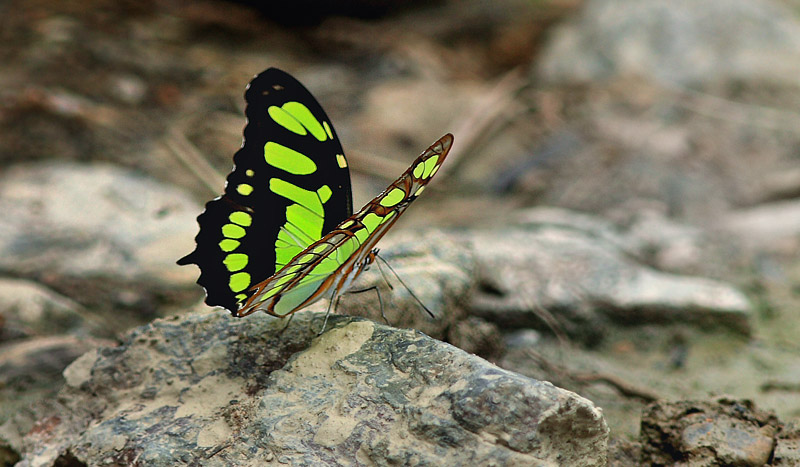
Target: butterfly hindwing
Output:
[(289, 187), (328, 266)]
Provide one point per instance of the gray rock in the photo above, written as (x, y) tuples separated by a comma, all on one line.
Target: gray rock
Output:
[(668, 244), (765, 225), (94, 220), (787, 446), (686, 42), (41, 333), (213, 390), (578, 277), (27, 309), (720, 432), (30, 369)]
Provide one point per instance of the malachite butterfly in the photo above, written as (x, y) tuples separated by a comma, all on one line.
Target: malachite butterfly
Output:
[(283, 235)]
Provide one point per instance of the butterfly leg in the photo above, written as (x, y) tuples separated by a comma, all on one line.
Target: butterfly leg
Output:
[(380, 300), (288, 321), (430, 313), (383, 274), (331, 305)]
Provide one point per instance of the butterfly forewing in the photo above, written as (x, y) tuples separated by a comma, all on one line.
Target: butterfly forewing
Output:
[(328, 266), (289, 187)]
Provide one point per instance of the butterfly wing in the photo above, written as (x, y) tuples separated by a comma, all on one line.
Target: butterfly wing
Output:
[(290, 185), (327, 267)]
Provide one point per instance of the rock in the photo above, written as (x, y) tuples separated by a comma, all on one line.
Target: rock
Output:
[(645, 233), (720, 432), (787, 446), (30, 369), (566, 219), (684, 42), (623, 453), (522, 339), (70, 224), (88, 220), (642, 147), (205, 388), (41, 333), (765, 225), (666, 243), (579, 278), (28, 309)]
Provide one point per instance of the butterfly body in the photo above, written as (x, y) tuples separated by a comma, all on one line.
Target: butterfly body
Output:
[(282, 235)]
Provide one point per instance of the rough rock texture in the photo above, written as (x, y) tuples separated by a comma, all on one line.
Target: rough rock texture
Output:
[(213, 390), (787, 448), (686, 42), (720, 432), (580, 276)]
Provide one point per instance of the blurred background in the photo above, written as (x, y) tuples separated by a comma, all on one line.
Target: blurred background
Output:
[(660, 138)]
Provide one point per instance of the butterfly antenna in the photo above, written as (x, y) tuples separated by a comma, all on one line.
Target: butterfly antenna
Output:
[(404, 284)]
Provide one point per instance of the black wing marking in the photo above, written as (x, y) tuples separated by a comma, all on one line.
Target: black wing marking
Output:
[(249, 245)]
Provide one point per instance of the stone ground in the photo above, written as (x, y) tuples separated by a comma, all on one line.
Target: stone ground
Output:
[(619, 215)]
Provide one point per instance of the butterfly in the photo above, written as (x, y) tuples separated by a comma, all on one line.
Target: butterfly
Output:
[(283, 235)]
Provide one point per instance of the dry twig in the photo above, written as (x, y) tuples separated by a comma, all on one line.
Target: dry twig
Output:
[(624, 387), (192, 159), (484, 116)]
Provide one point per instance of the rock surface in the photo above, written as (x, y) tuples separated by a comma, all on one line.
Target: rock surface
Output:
[(94, 220), (580, 276), (787, 448), (29, 309), (766, 225), (719, 432), (209, 389), (684, 42), (41, 333)]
